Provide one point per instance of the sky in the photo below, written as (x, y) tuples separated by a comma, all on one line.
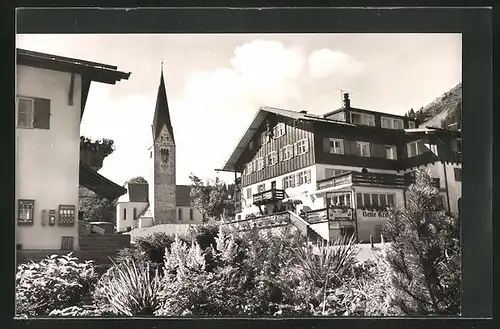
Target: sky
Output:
[(217, 82)]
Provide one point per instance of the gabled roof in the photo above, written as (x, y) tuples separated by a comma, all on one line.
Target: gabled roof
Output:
[(99, 184), (162, 115), (259, 118), (90, 71)]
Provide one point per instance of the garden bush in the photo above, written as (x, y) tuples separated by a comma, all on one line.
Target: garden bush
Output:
[(129, 289), (56, 282)]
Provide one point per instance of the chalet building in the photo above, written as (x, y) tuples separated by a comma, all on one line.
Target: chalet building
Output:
[(50, 101), (339, 171), (164, 202)]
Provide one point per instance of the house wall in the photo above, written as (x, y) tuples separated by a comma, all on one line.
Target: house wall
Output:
[(295, 131), (299, 192), (197, 217), (122, 224), (47, 160)]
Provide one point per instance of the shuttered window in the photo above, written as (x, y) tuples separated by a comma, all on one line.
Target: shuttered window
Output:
[(33, 113), (458, 174)]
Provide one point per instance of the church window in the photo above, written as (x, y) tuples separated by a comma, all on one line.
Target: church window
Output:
[(164, 155)]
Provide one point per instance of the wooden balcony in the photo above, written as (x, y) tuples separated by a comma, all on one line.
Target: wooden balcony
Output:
[(268, 196), (369, 179)]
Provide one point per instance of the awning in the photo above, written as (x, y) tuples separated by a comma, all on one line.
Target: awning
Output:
[(332, 189)]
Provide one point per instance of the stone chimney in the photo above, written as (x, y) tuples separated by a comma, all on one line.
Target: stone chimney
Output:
[(347, 101)]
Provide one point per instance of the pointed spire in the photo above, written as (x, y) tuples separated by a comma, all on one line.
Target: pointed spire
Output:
[(162, 114)]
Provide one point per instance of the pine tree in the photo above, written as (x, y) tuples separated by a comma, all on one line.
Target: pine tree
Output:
[(425, 254)]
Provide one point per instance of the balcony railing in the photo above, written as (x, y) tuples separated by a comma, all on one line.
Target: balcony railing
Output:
[(268, 196), (266, 221), (375, 179)]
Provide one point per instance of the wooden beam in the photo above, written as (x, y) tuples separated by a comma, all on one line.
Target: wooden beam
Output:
[(71, 89)]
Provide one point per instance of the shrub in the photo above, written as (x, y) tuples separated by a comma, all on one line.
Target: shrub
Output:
[(205, 235), (424, 255), (56, 282), (129, 289), (77, 311)]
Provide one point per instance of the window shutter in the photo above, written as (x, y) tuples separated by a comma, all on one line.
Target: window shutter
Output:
[(306, 145), (283, 183), (326, 145), (293, 181), (42, 113), (308, 176), (295, 149)]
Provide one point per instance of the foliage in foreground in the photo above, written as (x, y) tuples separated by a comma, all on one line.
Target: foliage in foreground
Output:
[(425, 253), (56, 282)]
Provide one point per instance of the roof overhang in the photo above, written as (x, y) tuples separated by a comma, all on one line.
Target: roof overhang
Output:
[(431, 131), (99, 184), (345, 187), (90, 71)]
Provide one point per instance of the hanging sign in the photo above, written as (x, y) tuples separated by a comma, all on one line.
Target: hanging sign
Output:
[(372, 214)]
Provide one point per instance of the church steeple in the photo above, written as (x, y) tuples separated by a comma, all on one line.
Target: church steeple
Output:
[(162, 114)]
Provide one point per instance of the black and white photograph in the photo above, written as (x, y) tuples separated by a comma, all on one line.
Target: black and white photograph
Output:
[(238, 175)]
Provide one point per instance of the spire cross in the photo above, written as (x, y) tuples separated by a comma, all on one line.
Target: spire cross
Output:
[(162, 64)]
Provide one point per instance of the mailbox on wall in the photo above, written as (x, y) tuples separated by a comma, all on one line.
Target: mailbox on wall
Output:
[(52, 217), (66, 215)]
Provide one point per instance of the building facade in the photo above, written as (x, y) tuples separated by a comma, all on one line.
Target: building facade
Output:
[(340, 170), (51, 93)]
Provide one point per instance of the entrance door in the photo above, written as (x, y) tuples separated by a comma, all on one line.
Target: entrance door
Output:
[(347, 232), (377, 234), (273, 185)]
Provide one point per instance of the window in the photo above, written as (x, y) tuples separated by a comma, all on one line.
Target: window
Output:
[(25, 210), (258, 164), (261, 188), (363, 119), (164, 155), (273, 185), (191, 214), (250, 145), (336, 146), (272, 158), (376, 200), (249, 193), (279, 130), (390, 152), (286, 153), (303, 177), (301, 147), (249, 168), (125, 214), (180, 213), (411, 124), (335, 199), (135, 213), (415, 148), (363, 149), (33, 113), (458, 174), (264, 137), (391, 123), (288, 181)]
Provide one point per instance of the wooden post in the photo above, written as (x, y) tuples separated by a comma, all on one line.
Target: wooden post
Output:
[(371, 240)]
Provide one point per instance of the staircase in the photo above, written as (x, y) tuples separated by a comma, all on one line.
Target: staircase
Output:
[(306, 229)]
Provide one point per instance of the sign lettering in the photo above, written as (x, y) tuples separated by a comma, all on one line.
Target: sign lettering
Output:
[(372, 215)]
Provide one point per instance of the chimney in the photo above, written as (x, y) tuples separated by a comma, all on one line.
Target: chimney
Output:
[(303, 111), (347, 101)]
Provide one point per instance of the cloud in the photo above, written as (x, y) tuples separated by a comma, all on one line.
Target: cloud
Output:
[(326, 62)]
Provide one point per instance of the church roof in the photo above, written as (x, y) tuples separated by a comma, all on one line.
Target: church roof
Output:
[(162, 114)]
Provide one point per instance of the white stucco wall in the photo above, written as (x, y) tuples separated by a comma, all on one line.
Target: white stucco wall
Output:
[(197, 217), (122, 224), (47, 161)]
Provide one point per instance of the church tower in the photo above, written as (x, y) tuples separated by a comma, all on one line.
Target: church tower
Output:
[(163, 196)]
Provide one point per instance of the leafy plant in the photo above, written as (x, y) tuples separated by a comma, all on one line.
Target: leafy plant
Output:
[(56, 282), (104, 146), (129, 289)]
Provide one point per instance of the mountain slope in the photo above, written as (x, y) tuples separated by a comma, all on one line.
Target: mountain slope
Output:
[(443, 112)]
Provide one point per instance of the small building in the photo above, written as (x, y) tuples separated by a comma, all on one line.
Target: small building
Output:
[(51, 93), (339, 171)]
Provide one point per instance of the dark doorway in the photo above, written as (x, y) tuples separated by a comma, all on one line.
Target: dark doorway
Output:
[(273, 185)]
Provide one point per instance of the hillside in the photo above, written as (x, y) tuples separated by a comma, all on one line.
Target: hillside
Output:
[(443, 112)]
